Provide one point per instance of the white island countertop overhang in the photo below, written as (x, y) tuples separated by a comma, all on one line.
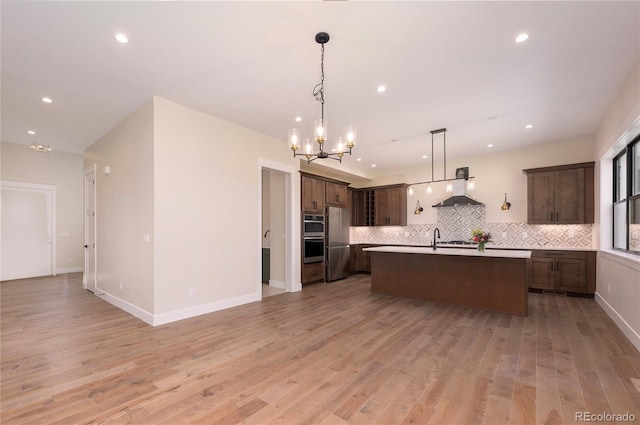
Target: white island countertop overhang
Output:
[(468, 252)]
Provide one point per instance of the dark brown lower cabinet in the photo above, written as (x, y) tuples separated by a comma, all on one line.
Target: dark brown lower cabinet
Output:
[(564, 271), (313, 272), (363, 258), (488, 283)]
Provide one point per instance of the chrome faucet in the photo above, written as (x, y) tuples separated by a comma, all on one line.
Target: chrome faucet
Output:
[(436, 231)]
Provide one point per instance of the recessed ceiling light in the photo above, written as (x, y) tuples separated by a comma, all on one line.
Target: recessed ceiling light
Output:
[(381, 89), (490, 145), (298, 119), (373, 165), (522, 37), (528, 126), (31, 132), (47, 100), (425, 156), (359, 159), (122, 38)]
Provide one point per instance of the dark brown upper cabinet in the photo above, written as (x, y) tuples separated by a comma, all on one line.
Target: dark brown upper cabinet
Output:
[(561, 194), (335, 194), (379, 206), (316, 192)]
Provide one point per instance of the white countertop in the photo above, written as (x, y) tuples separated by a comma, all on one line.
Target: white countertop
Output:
[(452, 251), (545, 248), (521, 248)]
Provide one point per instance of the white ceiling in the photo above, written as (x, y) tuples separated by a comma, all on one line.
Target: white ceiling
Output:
[(445, 64)]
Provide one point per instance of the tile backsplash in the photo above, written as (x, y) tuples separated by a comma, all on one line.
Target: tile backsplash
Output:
[(456, 223)]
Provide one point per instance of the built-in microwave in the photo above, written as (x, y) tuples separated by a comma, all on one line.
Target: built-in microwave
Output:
[(312, 225)]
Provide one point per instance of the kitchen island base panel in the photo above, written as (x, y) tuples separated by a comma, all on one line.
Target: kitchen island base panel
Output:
[(488, 283)]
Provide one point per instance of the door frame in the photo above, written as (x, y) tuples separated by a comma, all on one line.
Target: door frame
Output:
[(87, 171), (292, 224), (51, 189)]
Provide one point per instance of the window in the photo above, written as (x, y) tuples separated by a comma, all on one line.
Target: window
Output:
[(626, 198)]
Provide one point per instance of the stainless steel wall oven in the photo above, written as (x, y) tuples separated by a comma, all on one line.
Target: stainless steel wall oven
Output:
[(312, 238)]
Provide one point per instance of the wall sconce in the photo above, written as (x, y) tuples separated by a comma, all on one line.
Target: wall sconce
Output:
[(506, 205)]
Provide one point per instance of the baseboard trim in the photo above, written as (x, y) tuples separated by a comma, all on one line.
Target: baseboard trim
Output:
[(186, 313), (626, 329), (63, 270), (276, 284), (174, 316), (136, 311)]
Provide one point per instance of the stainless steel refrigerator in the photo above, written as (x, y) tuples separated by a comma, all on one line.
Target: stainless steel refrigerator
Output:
[(337, 225)]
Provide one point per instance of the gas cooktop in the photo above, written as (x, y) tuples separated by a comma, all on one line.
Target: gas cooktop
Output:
[(456, 243)]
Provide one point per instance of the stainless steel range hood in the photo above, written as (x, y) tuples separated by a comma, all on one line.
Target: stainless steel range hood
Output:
[(459, 198)]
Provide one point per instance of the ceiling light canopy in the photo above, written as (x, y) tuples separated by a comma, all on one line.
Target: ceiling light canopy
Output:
[(523, 36), (40, 148), (47, 100), (344, 144)]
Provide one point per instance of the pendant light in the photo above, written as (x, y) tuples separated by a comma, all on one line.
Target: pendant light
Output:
[(461, 173)]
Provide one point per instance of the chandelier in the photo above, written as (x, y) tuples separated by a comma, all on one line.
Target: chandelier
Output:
[(344, 144)]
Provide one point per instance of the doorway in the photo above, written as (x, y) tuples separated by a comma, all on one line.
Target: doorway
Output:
[(273, 225), (279, 196), (28, 230)]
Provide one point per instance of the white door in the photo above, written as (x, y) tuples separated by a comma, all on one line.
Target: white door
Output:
[(90, 230), (27, 231)]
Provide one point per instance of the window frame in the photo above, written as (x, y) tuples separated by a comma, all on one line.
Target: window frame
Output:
[(629, 197)]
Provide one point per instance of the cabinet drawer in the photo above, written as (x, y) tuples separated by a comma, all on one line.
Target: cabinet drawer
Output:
[(312, 272), (578, 255)]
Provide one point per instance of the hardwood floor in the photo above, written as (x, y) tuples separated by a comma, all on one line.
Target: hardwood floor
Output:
[(331, 354), (269, 291)]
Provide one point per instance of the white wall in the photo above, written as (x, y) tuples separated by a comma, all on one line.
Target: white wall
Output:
[(64, 170), (266, 209), (207, 217), (618, 275), (190, 184), (124, 212), (277, 222)]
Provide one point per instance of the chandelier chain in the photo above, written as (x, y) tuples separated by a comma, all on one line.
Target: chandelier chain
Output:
[(318, 90)]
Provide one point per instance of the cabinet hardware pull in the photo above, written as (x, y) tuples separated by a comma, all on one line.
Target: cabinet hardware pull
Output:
[(551, 264), (556, 216), (551, 216)]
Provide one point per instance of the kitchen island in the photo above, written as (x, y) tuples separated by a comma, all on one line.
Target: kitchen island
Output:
[(493, 280)]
